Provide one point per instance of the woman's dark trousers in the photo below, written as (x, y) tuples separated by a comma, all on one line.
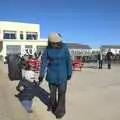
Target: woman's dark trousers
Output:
[(57, 99)]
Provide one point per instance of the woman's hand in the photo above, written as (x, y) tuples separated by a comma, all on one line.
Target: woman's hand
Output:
[(40, 78)]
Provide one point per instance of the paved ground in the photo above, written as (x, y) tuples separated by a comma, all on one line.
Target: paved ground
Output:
[(92, 95), (10, 107)]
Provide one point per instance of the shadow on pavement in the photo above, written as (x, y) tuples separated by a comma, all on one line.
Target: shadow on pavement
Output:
[(92, 67)]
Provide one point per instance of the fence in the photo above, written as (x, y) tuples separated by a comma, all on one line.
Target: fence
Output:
[(94, 58)]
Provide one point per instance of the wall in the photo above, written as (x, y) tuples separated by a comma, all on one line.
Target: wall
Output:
[(17, 26), (113, 50), (22, 43), (79, 52)]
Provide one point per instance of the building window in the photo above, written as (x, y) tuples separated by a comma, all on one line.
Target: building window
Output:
[(9, 34), (31, 36), (21, 35)]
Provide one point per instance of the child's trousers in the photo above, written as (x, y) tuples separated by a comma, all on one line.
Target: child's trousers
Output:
[(27, 105)]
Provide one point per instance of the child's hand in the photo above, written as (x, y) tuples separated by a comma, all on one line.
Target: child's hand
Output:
[(21, 88), (68, 77)]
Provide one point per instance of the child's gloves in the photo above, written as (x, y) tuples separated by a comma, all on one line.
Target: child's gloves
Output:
[(20, 88)]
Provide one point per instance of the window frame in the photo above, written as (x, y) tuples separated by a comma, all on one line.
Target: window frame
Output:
[(9, 34)]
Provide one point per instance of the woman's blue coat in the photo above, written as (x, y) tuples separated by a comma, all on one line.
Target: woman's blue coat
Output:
[(58, 64)]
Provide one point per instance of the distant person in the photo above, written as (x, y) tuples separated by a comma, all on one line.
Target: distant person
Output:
[(100, 60), (57, 59), (108, 58)]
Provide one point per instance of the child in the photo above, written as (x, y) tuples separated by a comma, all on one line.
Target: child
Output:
[(26, 88)]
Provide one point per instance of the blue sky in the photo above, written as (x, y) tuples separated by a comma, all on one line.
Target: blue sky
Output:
[(93, 22)]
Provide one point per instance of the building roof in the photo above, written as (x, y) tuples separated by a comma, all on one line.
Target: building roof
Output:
[(17, 22), (78, 46), (111, 46)]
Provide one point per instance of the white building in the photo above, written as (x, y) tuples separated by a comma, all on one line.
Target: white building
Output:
[(17, 37), (78, 50), (115, 49)]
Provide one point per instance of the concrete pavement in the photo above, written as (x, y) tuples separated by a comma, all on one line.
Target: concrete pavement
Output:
[(10, 107), (92, 95)]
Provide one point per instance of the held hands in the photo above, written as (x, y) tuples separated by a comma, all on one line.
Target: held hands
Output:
[(40, 78), (69, 77)]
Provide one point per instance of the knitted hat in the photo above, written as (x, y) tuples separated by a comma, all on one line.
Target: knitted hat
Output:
[(54, 37)]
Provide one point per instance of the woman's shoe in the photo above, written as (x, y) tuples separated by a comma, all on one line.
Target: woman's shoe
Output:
[(59, 116)]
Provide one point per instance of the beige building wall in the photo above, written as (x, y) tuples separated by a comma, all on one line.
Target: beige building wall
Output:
[(22, 44), (18, 26)]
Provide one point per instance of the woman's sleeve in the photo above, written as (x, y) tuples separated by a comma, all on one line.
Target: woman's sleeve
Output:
[(43, 63), (68, 62)]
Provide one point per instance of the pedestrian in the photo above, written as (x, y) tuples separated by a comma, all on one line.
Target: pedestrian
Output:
[(100, 60), (109, 57), (26, 88), (57, 59)]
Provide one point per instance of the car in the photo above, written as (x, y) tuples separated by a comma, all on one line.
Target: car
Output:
[(77, 64)]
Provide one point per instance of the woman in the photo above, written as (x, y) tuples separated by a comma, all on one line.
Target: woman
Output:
[(57, 59)]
